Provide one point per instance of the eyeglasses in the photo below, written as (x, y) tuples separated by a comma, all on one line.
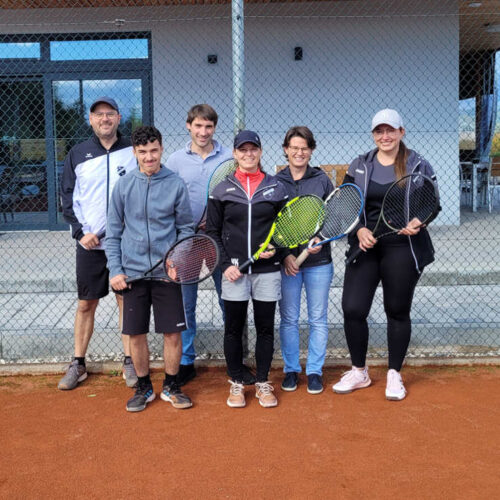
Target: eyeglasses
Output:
[(107, 114), (295, 149), (391, 132)]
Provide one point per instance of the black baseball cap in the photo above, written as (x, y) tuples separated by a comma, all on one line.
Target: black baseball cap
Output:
[(247, 136), (105, 100)]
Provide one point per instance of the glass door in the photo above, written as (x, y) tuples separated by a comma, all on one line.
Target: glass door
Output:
[(23, 156)]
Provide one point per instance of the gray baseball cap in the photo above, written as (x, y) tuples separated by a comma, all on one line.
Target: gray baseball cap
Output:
[(387, 117)]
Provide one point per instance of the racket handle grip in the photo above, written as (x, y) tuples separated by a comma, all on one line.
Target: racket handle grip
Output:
[(302, 257), (352, 258), (246, 264)]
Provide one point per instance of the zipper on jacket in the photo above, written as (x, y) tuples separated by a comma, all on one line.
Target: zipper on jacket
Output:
[(107, 181), (249, 225), (409, 237), (365, 191), (249, 198), (147, 220)]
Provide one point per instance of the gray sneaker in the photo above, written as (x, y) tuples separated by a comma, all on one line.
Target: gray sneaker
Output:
[(142, 396), (74, 375), (129, 374)]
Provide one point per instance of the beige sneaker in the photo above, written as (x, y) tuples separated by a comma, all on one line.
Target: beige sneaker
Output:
[(264, 391), (236, 397)]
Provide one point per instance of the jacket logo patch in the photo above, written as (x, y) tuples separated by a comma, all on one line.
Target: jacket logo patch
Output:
[(235, 262), (230, 189), (89, 155), (360, 171), (121, 171), (268, 193)]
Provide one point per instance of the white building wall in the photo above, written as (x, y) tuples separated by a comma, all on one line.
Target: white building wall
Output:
[(358, 58)]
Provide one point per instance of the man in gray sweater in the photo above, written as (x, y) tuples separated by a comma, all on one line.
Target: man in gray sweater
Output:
[(149, 211)]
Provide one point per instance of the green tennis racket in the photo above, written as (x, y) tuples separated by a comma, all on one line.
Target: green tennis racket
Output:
[(298, 221)]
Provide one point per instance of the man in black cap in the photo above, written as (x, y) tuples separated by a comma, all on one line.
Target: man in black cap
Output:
[(91, 169)]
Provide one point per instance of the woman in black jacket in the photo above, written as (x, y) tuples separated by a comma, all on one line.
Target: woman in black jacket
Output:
[(240, 213), (396, 260)]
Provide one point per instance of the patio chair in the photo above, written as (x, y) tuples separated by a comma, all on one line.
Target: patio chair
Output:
[(465, 170), (9, 197), (493, 182)]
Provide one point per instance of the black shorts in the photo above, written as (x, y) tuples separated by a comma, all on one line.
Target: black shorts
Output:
[(168, 308), (92, 275)]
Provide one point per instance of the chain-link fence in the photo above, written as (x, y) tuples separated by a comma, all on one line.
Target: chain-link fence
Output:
[(329, 65)]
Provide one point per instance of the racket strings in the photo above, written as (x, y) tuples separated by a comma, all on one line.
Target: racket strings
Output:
[(192, 260), (299, 221), (342, 211), (220, 174), (409, 199)]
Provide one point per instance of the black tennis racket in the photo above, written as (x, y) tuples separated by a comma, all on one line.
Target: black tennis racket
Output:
[(191, 260), (299, 220), (413, 198), (218, 175), (343, 209)]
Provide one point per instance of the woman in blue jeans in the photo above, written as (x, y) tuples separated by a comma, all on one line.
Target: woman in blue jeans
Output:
[(315, 274)]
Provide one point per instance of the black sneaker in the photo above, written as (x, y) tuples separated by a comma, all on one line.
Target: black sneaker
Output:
[(290, 381), (186, 373), (142, 396), (172, 394), (314, 383)]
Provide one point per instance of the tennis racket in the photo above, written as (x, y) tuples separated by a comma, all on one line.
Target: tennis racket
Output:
[(191, 260), (343, 209), (414, 196), (299, 220), (218, 175)]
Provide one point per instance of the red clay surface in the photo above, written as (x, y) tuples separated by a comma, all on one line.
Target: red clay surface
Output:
[(442, 442)]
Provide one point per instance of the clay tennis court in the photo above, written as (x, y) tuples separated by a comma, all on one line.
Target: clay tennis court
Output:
[(443, 441)]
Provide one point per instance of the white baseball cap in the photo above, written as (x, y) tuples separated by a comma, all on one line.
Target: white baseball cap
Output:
[(388, 117)]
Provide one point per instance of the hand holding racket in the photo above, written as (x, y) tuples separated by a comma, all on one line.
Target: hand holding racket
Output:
[(299, 220), (191, 260), (343, 209), (408, 204), (218, 175)]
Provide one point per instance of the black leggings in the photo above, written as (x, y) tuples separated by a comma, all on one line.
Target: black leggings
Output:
[(236, 314), (395, 267)]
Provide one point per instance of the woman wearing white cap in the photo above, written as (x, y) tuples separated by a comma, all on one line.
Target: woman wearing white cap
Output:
[(396, 260), (241, 211)]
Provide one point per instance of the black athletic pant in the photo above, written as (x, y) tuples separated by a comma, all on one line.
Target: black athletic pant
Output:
[(236, 314), (395, 267)]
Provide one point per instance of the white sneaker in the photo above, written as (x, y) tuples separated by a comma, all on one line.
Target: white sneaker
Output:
[(395, 389), (236, 397), (355, 378)]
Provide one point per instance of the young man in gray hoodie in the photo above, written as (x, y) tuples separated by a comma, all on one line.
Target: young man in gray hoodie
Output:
[(148, 213)]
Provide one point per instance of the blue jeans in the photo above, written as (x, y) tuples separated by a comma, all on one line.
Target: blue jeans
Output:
[(317, 282), (189, 295)]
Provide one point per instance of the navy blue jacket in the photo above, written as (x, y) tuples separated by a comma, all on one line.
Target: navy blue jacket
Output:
[(314, 181), (360, 172)]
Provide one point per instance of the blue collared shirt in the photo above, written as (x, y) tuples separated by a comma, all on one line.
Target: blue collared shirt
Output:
[(196, 171)]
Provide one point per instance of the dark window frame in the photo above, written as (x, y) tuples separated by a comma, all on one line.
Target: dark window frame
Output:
[(47, 71)]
